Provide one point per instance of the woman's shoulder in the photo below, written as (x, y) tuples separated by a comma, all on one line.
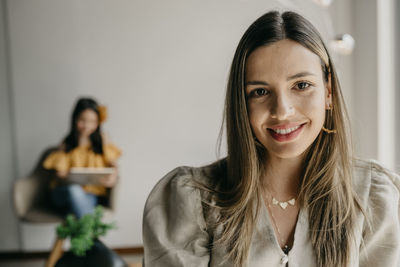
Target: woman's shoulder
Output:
[(374, 172), (184, 184), (57, 159), (186, 178), (378, 190), (375, 183), (176, 223), (173, 185)]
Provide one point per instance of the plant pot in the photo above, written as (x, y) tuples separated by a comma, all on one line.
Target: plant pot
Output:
[(98, 256)]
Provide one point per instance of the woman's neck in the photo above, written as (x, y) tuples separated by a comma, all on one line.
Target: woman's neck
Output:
[(84, 140), (282, 177)]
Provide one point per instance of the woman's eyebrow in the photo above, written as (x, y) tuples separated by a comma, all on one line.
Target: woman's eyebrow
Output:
[(256, 83), (299, 75), (295, 76)]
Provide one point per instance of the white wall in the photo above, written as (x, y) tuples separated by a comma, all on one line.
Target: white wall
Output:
[(366, 80), (160, 66), (374, 73), (341, 15), (8, 222), (397, 82)]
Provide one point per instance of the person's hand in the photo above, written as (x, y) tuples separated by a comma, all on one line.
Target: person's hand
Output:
[(62, 174), (109, 180)]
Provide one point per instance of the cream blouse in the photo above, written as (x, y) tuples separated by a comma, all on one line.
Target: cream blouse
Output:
[(176, 232)]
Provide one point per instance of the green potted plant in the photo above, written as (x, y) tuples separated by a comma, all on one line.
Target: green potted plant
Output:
[(84, 231), (86, 249)]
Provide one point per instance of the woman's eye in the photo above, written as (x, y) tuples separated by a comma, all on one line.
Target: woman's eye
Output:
[(259, 92), (302, 85)]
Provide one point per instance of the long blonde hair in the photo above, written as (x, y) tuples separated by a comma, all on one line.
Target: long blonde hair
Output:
[(326, 187)]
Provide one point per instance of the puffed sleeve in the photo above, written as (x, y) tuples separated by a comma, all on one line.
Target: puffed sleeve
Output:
[(381, 238), (174, 228), (57, 160)]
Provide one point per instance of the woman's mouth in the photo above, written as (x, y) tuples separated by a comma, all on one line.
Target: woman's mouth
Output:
[(285, 134)]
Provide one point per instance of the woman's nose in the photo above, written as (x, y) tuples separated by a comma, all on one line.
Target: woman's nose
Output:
[(282, 108)]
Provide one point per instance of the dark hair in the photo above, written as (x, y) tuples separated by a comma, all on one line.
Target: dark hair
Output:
[(71, 140)]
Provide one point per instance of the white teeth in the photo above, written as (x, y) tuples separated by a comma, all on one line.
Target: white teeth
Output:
[(286, 131)]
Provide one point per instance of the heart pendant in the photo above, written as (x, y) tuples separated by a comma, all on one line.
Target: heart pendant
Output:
[(274, 201), (292, 201), (283, 205)]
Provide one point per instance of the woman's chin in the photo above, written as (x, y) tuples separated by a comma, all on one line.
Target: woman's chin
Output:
[(286, 152)]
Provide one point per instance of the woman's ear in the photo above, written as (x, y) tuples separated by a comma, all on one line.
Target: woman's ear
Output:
[(328, 93)]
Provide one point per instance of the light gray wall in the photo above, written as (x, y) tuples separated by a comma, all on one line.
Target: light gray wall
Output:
[(160, 67), (365, 78), (397, 82), (8, 222), (372, 101), (341, 16)]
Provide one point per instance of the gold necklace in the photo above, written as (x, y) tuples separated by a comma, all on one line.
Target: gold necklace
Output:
[(284, 204), (286, 247)]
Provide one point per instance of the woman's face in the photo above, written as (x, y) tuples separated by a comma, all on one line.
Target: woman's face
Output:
[(87, 122), (286, 97)]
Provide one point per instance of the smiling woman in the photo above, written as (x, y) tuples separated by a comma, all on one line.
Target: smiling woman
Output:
[(286, 98), (289, 192)]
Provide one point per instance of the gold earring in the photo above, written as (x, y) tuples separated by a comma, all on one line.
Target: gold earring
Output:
[(328, 130)]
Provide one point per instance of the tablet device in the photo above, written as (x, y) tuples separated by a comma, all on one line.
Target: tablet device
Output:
[(88, 175)]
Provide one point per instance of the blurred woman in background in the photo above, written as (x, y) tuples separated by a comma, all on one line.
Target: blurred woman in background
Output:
[(84, 146)]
